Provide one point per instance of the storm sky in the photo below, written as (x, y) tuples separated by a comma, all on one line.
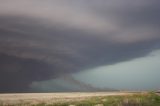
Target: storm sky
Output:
[(64, 45)]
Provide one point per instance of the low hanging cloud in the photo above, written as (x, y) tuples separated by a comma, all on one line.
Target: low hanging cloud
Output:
[(42, 40)]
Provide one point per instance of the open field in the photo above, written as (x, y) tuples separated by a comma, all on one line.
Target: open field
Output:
[(81, 99)]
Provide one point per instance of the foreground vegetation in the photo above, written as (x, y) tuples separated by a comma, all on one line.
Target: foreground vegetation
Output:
[(145, 99)]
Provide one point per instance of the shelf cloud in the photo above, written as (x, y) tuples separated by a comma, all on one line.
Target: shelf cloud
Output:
[(42, 40)]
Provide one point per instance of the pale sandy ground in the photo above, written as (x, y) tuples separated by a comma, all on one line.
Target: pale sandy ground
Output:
[(35, 98)]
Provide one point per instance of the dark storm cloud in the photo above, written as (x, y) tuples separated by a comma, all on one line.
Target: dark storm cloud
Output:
[(41, 40)]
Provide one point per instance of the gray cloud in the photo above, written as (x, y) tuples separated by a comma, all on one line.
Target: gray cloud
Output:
[(41, 40)]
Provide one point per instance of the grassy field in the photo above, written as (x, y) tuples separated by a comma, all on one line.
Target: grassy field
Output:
[(82, 99)]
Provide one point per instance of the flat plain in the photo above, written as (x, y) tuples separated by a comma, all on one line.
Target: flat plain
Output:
[(77, 99)]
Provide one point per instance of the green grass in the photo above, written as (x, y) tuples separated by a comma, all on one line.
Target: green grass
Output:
[(148, 99)]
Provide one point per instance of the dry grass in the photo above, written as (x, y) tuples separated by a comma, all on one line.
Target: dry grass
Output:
[(80, 99)]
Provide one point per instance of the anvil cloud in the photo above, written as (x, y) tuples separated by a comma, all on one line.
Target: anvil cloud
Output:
[(42, 40)]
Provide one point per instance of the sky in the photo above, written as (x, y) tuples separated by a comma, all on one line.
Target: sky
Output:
[(79, 45)]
